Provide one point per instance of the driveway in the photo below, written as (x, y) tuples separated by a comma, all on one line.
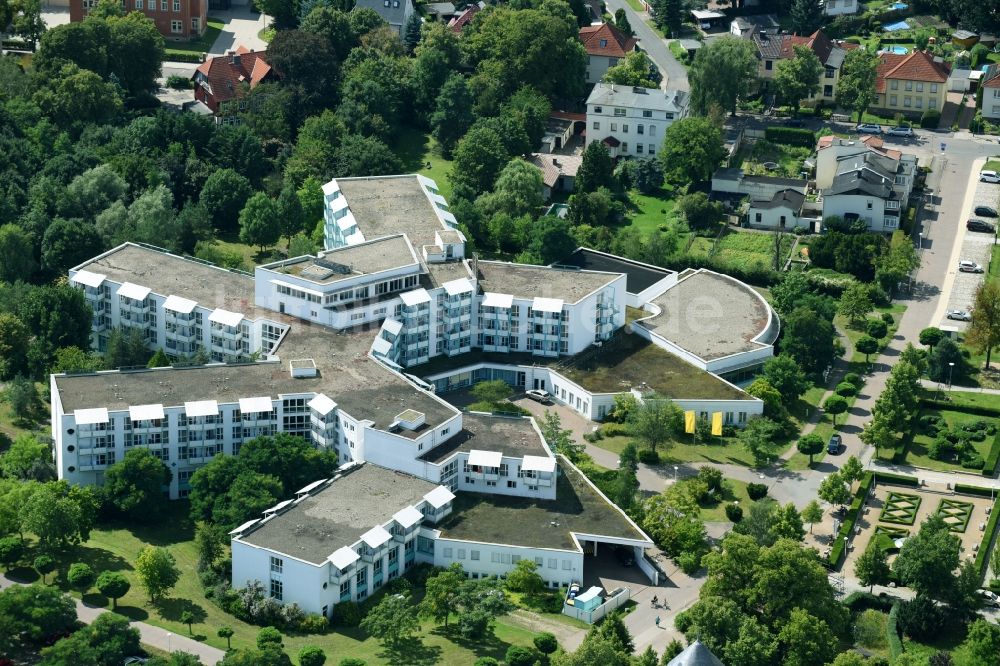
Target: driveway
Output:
[(674, 74), (241, 28)]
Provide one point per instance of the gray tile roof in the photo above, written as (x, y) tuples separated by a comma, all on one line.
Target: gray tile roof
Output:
[(639, 98), (394, 14), (785, 198), (862, 181), (695, 654)]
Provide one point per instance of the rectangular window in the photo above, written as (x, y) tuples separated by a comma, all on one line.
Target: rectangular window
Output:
[(474, 555), (597, 125), (277, 564), (624, 146), (907, 102), (619, 113), (553, 563), (345, 588), (163, 5), (920, 103), (893, 101), (640, 129), (625, 128), (894, 84), (934, 88), (909, 85), (277, 589), (638, 148), (769, 65), (461, 553), (177, 5), (138, 4), (920, 86), (647, 113), (567, 565), (652, 148), (447, 553), (196, 26), (176, 26), (495, 558), (598, 109), (614, 128), (652, 131)]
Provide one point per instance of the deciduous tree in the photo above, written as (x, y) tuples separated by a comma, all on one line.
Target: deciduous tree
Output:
[(157, 571), (134, 486), (810, 445), (723, 72), (834, 489), (812, 513), (856, 88), (259, 223), (692, 148), (834, 406), (113, 585), (452, 116), (784, 374), (928, 558), (856, 302), (654, 421), (807, 15), (983, 333), (872, 566), (797, 78), (596, 169)]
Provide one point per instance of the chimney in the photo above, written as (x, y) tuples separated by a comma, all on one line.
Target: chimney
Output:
[(234, 58)]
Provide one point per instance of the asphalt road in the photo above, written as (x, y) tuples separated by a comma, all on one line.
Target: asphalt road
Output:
[(674, 74)]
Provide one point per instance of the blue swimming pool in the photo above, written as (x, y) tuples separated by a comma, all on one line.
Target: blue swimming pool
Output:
[(899, 5), (898, 50)]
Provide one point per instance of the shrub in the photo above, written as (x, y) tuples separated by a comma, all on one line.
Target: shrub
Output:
[(993, 457), (398, 586), (921, 618), (614, 430), (310, 655), (792, 136), (861, 600), (269, 636), (649, 457), (518, 655), (689, 562), (988, 535), (346, 614), (887, 318), (892, 632), (354, 661), (314, 623), (897, 479), (869, 629), (974, 461), (486, 661), (179, 82), (855, 379), (546, 643), (756, 491), (11, 550), (930, 119), (846, 389), (81, 576), (734, 512), (292, 616)]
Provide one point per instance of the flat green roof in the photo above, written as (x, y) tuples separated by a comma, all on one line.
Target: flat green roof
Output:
[(536, 523)]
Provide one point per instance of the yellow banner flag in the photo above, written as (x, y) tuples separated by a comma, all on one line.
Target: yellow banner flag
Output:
[(717, 423), (689, 421)]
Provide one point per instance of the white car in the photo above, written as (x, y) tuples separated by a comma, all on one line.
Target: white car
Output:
[(539, 396), (989, 177), (966, 266), (990, 598), (959, 315), (869, 128), (901, 131)]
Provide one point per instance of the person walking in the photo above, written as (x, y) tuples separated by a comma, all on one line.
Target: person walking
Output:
[(654, 601), (657, 621)]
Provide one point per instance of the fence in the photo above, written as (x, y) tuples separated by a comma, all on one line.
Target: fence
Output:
[(614, 601)]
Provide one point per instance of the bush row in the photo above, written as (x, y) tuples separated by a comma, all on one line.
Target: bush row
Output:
[(979, 410), (982, 557), (847, 528), (892, 633), (974, 490), (183, 56), (993, 457), (791, 136), (754, 274), (861, 600), (896, 479)]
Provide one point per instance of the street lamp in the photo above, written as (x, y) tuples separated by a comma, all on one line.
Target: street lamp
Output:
[(168, 641), (920, 240), (675, 473), (951, 368)]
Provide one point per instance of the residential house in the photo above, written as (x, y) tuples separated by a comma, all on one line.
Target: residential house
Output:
[(832, 150), (464, 17), (631, 120), (395, 12), (840, 7), (772, 49), (223, 83), (745, 26), (870, 186), (991, 98), (440, 11), (964, 39), (175, 19), (781, 212), (561, 128), (605, 45), (734, 185), (558, 171), (910, 84)]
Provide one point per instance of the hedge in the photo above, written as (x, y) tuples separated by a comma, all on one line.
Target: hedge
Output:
[(982, 557), (847, 528), (978, 410), (892, 633), (861, 600), (897, 479), (792, 136), (183, 56), (993, 457), (975, 490)]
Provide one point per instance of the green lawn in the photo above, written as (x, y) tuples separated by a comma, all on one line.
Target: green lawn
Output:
[(636, 5), (679, 51), (917, 453), (727, 451), (992, 165), (419, 153), (649, 211), (855, 334), (966, 399), (115, 549), (788, 158), (746, 250), (732, 491), (197, 46)]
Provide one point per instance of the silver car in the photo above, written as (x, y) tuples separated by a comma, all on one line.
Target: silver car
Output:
[(989, 177), (959, 315), (966, 266), (906, 132)]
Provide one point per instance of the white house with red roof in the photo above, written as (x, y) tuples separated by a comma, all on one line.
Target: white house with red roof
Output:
[(222, 83), (991, 94), (910, 84), (605, 45)]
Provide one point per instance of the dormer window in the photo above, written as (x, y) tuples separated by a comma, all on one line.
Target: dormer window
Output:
[(604, 43)]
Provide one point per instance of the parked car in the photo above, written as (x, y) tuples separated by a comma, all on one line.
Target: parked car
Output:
[(960, 315), (989, 177), (833, 446), (979, 225), (869, 128), (901, 131), (625, 556), (966, 266), (539, 396), (986, 211), (990, 598)]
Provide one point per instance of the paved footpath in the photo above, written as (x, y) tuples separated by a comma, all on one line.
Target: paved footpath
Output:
[(155, 637)]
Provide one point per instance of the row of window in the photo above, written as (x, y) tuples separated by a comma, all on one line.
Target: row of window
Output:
[(619, 112), (910, 85), (913, 102), (639, 129)]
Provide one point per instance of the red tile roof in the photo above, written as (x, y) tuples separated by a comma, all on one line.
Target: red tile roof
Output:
[(993, 83), (569, 115), (612, 141), (818, 42), (916, 66), (463, 19), (606, 40), (224, 74)]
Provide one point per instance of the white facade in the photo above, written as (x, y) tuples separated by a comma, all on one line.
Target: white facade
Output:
[(881, 215), (839, 7), (632, 121), (991, 100)]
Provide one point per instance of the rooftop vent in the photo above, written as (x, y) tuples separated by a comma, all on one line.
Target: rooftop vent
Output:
[(302, 368), (410, 419)]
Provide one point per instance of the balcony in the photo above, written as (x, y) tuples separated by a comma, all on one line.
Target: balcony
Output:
[(182, 334), (95, 450)]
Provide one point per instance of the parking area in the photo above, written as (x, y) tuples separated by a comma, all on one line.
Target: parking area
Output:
[(606, 570), (977, 247)]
